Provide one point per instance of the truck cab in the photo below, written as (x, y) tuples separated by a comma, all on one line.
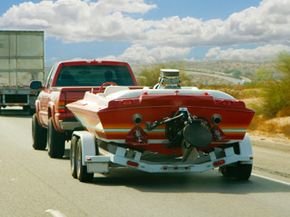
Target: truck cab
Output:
[(53, 123)]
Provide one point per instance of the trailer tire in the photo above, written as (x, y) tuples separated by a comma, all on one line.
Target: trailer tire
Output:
[(82, 174), (55, 141), (73, 145), (237, 171), (38, 135)]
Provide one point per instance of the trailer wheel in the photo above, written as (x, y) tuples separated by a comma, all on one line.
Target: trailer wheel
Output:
[(237, 171), (38, 135), (55, 141), (82, 174), (73, 162)]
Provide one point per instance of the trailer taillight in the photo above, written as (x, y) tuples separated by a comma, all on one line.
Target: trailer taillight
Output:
[(132, 164), (61, 103)]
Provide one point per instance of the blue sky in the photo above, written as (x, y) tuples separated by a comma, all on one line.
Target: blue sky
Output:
[(149, 31), (203, 9)]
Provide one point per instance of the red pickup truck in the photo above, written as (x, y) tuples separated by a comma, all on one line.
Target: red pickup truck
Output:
[(53, 123)]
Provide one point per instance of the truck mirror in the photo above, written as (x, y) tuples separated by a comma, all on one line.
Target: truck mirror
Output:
[(35, 85)]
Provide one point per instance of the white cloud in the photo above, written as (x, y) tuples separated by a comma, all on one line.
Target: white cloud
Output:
[(88, 20), (128, 6), (77, 20), (267, 23), (141, 54), (260, 53)]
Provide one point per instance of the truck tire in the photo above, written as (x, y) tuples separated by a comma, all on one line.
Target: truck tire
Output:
[(38, 135), (237, 171), (82, 174), (55, 141), (73, 145), (26, 108)]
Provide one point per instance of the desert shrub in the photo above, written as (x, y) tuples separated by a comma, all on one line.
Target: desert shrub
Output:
[(276, 97), (277, 94), (148, 76), (251, 92), (234, 91), (283, 63), (263, 74)]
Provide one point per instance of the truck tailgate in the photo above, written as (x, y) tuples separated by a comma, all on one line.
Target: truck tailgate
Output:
[(69, 95)]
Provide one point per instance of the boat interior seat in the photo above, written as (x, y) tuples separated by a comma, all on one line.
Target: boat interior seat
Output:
[(113, 89)]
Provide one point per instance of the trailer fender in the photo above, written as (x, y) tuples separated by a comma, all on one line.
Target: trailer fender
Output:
[(87, 143), (246, 149)]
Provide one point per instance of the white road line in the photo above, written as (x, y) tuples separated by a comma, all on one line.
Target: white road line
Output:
[(55, 213), (271, 179), (13, 179)]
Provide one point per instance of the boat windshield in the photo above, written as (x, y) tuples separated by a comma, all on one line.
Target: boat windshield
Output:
[(94, 75)]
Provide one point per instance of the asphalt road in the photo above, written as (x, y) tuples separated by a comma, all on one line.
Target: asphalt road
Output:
[(31, 185)]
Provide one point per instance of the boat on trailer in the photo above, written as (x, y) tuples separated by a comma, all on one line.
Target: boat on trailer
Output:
[(166, 128)]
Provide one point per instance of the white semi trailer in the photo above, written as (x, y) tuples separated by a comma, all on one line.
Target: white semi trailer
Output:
[(21, 61)]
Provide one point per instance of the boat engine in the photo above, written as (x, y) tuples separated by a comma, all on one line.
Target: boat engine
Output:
[(169, 79), (186, 131)]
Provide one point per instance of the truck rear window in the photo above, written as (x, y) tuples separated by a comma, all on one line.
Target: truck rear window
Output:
[(93, 75)]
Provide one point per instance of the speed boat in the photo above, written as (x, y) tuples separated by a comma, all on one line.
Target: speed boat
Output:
[(166, 119)]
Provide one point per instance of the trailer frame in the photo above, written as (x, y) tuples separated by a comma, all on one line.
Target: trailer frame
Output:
[(98, 160)]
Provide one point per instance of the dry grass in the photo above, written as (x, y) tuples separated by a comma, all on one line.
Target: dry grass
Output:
[(271, 127), (251, 93), (279, 125), (254, 98), (284, 112), (286, 130), (253, 103)]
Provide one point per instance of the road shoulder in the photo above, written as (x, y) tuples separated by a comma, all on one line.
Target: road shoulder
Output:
[(271, 157)]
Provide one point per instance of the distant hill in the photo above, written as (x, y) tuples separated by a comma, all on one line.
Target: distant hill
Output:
[(217, 72)]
